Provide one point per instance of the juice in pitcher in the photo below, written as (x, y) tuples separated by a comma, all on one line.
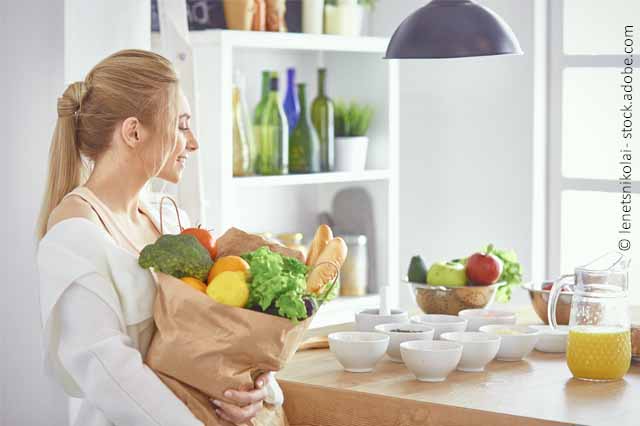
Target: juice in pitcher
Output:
[(599, 343), (599, 353)]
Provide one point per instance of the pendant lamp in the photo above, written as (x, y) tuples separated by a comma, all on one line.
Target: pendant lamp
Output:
[(452, 29)]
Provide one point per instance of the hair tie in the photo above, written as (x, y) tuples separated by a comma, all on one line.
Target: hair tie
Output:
[(70, 103)]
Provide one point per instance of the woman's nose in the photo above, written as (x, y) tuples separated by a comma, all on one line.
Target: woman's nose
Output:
[(192, 142)]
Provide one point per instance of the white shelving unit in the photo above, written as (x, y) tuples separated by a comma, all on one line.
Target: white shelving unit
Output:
[(291, 203)]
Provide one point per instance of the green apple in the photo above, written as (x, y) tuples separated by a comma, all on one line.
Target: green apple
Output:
[(448, 274)]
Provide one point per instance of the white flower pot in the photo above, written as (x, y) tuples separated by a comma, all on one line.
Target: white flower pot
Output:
[(312, 16), (351, 153), (344, 19)]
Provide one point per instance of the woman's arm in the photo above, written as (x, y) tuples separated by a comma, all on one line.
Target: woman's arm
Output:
[(102, 360)]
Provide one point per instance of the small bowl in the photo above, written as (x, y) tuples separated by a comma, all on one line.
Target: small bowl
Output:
[(479, 317), (479, 348), (358, 351), (431, 360), (550, 340), (369, 318), (450, 300), (516, 341), (540, 299), (412, 332), (441, 323)]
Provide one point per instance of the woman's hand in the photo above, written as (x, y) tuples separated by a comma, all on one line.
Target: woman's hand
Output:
[(245, 405)]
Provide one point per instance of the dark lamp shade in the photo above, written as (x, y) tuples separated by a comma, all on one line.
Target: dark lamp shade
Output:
[(452, 29)]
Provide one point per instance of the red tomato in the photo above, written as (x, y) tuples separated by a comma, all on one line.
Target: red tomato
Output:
[(483, 268), (205, 238)]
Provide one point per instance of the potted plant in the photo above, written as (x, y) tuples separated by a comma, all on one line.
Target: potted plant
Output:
[(345, 17), (351, 123)]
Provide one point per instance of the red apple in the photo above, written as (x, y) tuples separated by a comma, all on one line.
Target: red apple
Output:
[(484, 268)]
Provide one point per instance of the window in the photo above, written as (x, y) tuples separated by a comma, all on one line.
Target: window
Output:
[(585, 199)]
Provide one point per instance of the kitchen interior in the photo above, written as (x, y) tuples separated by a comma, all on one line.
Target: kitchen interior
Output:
[(466, 186)]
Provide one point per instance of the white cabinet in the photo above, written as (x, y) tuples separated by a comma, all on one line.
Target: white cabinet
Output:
[(291, 203)]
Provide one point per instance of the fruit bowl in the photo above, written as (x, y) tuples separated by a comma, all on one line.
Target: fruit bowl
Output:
[(451, 300), (540, 298)]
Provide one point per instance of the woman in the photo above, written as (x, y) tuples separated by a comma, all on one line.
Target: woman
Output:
[(129, 121)]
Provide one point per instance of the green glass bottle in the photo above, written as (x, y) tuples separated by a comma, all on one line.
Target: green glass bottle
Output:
[(257, 117), (304, 148), (273, 136), (322, 118)]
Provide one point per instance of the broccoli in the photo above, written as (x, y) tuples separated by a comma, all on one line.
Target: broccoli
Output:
[(177, 255)]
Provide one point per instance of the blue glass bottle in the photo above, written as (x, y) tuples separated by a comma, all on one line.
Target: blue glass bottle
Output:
[(290, 104)]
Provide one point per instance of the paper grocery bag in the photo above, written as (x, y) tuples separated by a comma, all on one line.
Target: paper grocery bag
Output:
[(202, 348)]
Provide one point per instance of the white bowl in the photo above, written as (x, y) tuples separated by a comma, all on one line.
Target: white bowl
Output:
[(479, 348), (431, 360), (441, 323), (479, 317), (516, 341), (358, 351), (553, 341), (412, 332), (369, 318)]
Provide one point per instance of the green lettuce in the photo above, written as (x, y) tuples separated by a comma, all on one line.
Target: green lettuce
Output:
[(278, 281)]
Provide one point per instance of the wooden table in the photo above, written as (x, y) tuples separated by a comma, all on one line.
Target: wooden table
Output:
[(537, 391)]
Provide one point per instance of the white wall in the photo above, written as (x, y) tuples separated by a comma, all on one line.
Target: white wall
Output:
[(44, 45), (466, 145), (32, 76)]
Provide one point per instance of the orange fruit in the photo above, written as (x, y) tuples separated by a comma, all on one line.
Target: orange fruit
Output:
[(195, 283), (228, 264)]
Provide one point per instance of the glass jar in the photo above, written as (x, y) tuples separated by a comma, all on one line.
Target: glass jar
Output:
[(353, 276), (293, 240)]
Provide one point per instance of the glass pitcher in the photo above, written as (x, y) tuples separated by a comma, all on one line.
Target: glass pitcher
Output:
[(599, 343)]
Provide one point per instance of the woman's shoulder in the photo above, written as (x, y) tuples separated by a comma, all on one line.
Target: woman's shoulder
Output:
[(70, 208)]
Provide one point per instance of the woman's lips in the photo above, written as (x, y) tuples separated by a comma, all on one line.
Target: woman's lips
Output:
[(182, 159)]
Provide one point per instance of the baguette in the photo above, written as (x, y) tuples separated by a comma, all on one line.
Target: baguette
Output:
[(327, 265), (320, 241)]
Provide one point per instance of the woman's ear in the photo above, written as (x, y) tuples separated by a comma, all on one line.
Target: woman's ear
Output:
[(131, 132)]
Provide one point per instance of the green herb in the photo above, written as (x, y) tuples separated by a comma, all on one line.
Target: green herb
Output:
[(511, 273), (278, 281), (352, 119), (178, 256)]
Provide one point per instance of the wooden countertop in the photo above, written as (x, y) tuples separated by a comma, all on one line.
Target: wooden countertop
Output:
[(537, 391)]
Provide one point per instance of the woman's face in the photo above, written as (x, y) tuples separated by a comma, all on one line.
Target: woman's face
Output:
[(186, 143)]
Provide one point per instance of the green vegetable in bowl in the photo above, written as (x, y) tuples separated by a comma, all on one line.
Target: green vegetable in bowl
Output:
[(177, 255), (511, 274), (278, 281)]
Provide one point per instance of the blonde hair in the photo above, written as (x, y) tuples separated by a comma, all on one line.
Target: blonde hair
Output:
[(129, 83)]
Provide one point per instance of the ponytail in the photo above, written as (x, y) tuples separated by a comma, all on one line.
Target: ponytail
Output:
[(66, 170)]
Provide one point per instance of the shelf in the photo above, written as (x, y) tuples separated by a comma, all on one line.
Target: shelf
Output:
[(290, 41), (310, 179)]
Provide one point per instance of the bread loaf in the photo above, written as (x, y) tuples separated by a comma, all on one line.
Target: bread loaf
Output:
[(320, 240), (236, 242), (327, 266)]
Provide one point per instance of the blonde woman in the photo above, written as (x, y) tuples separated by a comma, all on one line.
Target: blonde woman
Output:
[(124, 124)]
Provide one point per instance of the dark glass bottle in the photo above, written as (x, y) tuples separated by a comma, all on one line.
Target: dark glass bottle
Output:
[(322, 118), (291, 107), (273, 136), (304, 148)]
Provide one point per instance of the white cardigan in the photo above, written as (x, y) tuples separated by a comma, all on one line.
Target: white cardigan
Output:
[(97, 314)]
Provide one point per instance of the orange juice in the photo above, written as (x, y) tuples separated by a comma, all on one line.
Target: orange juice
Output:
[(599, 353)]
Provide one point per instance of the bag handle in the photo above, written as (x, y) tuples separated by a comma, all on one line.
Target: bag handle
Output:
[(327, 291), (175, 206)]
